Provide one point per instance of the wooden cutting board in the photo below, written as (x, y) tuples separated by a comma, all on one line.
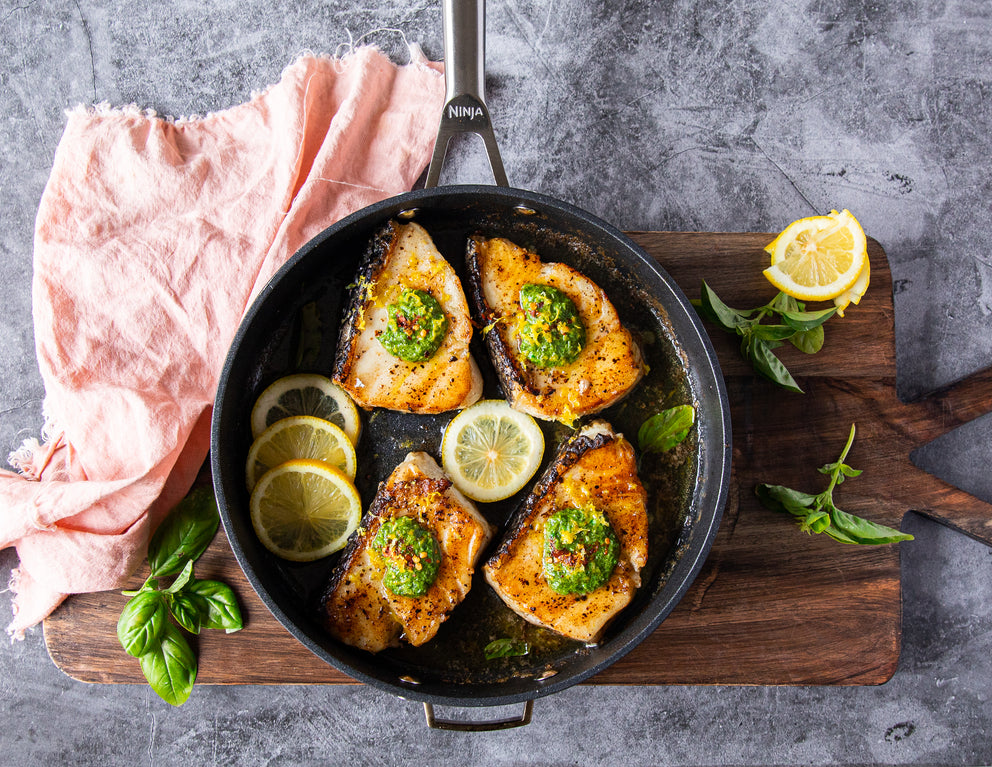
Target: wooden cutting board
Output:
[(771, 605)]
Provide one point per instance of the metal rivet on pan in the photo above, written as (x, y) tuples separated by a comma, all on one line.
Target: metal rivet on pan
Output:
[(409, 680), (523, 210), (407, 214)]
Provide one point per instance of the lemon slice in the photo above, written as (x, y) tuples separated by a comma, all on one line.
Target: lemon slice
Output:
[(303, 510), (490, 450), (818, 258), (306, 394), (300, 436)]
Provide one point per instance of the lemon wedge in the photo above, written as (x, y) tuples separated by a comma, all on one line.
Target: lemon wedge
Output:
[(856, 292), (300, 436), (818, 258), (491, 451), (303, 510), (306, 394)]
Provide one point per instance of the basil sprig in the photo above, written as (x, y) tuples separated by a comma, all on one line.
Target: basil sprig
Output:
[(144, 629), (818, 514), (663, 431), (791, 322)]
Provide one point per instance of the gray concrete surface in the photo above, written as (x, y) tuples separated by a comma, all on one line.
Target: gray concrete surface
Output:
[(686, 115)]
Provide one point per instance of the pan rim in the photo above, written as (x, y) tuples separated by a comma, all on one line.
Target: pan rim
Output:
[(686, 568)]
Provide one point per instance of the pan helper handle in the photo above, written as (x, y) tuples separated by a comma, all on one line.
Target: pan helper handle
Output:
[(479, 726), (465, 108)]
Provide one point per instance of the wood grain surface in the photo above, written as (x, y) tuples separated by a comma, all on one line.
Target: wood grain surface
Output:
[(771, 605)]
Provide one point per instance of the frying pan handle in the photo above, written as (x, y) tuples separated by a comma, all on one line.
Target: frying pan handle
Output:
[(465, 109), (497, 724)]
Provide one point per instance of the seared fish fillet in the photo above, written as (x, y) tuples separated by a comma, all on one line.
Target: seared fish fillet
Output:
[(403, 256), (608, 366), (358, 609), (597, 467)]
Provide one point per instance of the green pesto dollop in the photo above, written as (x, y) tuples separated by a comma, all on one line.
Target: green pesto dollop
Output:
[(416, 326), (580, 550), (551, 332), (412, 556)]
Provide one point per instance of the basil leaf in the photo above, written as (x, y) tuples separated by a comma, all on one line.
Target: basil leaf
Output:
[(185, 533), (141, 623), (808, 341), (713, 308), (865, 531), (663, 431), (807, 320), (182, 579), (816, 522), (772, 332), (187, 610), (779, 498), (220, 605), (505, 648), (841, 469), (768, 365), (768, 500), (170, 667), (783, 302), (839, 536)]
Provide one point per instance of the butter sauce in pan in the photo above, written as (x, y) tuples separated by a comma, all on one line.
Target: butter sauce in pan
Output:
[(293, 327)]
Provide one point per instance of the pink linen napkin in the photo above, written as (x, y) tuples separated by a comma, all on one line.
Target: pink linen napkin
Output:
[(151, 239)]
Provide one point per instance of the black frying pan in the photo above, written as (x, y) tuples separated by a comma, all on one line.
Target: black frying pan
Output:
[(687, 490)]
